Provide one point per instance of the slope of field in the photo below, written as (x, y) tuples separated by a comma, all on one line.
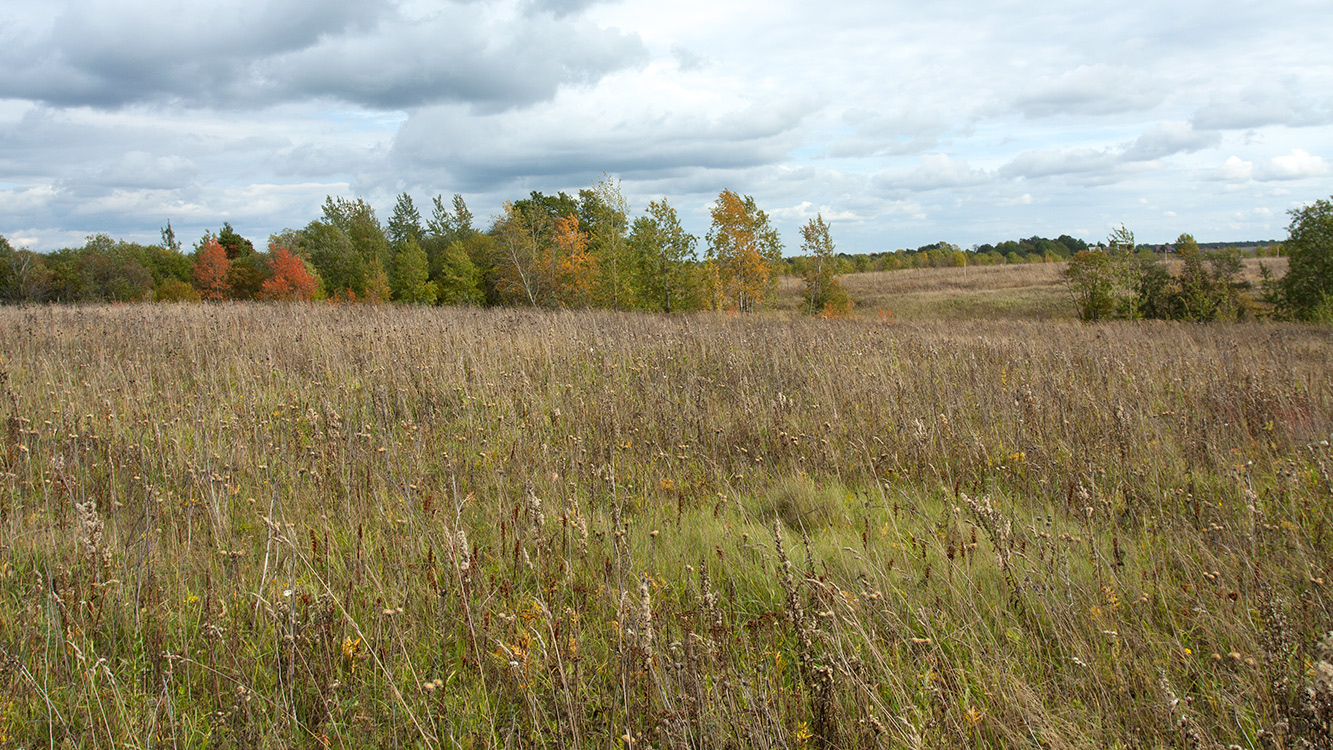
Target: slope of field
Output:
[(325, 526)]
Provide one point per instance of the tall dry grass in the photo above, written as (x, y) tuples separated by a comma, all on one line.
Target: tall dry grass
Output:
[(233, 526)]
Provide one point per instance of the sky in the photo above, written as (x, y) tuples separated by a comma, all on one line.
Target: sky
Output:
[(901, 123)]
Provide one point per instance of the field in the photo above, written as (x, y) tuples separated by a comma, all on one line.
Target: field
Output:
[(332, 526), (1009, 292)]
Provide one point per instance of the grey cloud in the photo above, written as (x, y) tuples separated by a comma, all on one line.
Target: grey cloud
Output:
[(484, 153), (1091, 90), (562, 8), (1169, 138), (260, 53), (111, 53), (686, 59), (1049, 162), (405, 65), (1263, 104)]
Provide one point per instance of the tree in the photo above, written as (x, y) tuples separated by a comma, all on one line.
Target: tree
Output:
[(410, 280), (246, 276), (1090, 278), (518, 277), (234, 244), (290, 280), (1306, 292), (823, 294), (210, 271), (458, 279), (1120, 248), (405, 224), (665, 251), (605, 215), (744, 251), (24, 276), (336, 260), (575, 267), (1196, 299), (357, 219), (377, 283), (169, 240)]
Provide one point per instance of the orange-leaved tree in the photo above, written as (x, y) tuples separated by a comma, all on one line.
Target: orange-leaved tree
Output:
[(210, 271), (744, 250), (290, 280), (576, 268)]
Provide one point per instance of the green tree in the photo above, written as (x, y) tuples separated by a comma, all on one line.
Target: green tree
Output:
[(605, 216), (357, 219), (169, 240), (410, 280), (330, 250), (1155, 288), (666, 252), (1306, 292), (1196, 299), (405, 224), (1090, 278), (247, 275), (234, 244), (1120, 247), (458, 279), (823, 294)]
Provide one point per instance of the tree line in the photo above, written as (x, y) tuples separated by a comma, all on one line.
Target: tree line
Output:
[(1123, 280), (543, 250)]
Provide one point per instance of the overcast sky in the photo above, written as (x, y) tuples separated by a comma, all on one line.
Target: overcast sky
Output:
[(903, 123)]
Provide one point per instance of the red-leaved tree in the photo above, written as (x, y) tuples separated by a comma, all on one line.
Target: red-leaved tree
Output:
[(290, 281), (210, 271)]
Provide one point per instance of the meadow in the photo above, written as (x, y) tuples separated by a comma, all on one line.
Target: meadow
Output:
[(356, 526)]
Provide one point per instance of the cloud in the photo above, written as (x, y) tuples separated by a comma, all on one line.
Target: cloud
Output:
[(1296, 165), (1167, 139), (1258, 105), (625, 127), (1038, 163), (403, 64), (934, 172), (248, 53), (875, 134), (1098, 89), (142, 170)]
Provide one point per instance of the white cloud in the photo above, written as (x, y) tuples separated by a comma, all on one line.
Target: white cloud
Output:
[(1297, 165), (934, 172), (1235, 169)]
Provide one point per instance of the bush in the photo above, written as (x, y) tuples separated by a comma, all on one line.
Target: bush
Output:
[(1307, 289), (1090, 278)]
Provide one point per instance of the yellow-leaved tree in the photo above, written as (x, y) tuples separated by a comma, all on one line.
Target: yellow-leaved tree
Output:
[(744, 251)]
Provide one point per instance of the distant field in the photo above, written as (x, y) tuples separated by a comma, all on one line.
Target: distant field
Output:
[(343, 526), (1009, 292)]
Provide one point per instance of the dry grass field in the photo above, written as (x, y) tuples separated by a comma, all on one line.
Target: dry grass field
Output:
[(1009, 292), (329, 526)]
